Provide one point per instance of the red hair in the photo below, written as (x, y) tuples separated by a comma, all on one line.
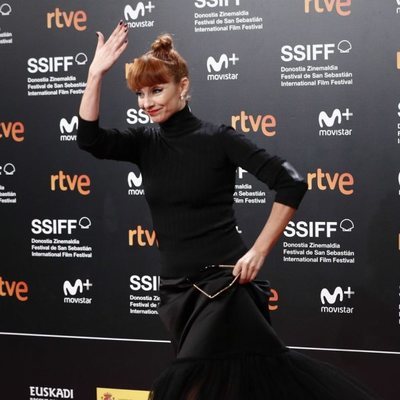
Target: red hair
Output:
[(160, 65)]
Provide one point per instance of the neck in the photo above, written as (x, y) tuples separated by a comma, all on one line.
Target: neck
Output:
[(180, 123)]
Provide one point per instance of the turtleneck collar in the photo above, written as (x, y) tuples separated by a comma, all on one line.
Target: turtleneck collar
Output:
[(180, 123)]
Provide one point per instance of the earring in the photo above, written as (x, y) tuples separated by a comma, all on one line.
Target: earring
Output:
[(182, 97)]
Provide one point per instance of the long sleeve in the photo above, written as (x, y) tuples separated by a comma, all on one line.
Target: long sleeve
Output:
[(275, 172), (109, 143)]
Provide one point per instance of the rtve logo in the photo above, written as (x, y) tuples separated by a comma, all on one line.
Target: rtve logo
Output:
[(14, 288), (65, 182), (12, 130), (67, 19), (142, 237), (250, 123), (216, 3), (342, 7), (134, 116), (273, 300), (77, 287), (58, 226), (324, 180)]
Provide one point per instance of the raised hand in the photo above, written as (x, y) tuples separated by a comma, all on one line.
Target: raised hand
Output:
[(107, 53)]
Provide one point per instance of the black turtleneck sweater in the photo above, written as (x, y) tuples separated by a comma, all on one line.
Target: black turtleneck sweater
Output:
[(188, 168)]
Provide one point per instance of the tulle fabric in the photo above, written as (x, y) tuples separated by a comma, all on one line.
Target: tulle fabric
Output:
[(227, 350)]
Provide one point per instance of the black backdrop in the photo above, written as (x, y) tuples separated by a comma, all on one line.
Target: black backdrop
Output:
[(313, 81)]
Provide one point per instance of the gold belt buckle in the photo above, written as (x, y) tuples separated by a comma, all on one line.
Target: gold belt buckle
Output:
[(212, 296)]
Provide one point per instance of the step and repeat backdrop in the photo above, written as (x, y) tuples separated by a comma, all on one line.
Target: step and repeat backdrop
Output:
[(314, 81)]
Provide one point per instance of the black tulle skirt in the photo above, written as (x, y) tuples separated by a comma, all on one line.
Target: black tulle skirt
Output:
[(227, 350)]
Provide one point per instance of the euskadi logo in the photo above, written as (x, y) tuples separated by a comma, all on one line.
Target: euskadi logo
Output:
[(329, 299), (216, 3), (72, 291), (59, 226), (316, 229), (12, 130), (134, 117), (135, 183), (314, 52), (137, 15), (68, 128), (67, 19), (333, 119), (7, 169), (44, 65), (142, 237), (50, 393), (340, 7), (218, 68)]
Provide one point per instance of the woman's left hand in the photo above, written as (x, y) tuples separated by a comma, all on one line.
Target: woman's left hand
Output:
[(249, 265)]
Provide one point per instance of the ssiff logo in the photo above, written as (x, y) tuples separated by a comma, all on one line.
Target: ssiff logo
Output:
[(336, 296), (141, 9), (67, 19), (224, 62), (342, 7), (216, 3)]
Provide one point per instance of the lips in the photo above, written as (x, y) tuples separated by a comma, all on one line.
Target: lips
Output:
[(152, 112)]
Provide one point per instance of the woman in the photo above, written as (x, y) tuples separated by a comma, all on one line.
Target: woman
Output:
[(212, 306)]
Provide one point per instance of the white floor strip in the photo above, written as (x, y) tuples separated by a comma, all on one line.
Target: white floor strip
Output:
[(168, 341), (83, 337), (346, 350)]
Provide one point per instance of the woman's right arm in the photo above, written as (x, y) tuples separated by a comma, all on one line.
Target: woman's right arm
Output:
[(107, 53)]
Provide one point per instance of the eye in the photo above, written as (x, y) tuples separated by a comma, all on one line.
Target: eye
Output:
[(157, 90), (139, 93)]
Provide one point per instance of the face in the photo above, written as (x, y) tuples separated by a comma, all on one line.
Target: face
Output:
[(162, 101)]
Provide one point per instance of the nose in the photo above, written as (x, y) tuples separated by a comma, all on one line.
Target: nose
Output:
[(146, 102)]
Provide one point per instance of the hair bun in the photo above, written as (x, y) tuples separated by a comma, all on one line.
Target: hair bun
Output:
[(163, 45)]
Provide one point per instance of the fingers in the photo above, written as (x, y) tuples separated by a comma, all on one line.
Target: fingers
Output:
[(100, 40), (248, 267), (118, 37)]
